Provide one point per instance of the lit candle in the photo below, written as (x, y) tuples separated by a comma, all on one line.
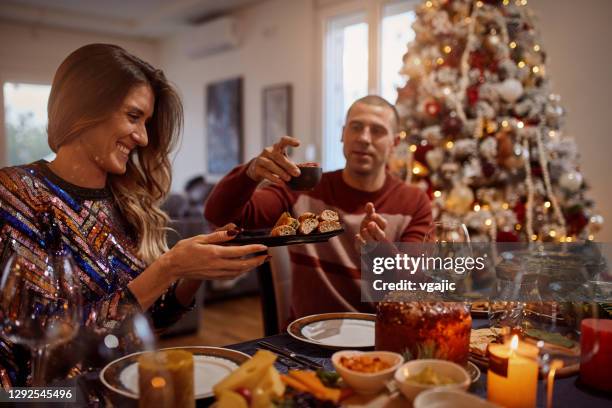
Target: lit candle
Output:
[(512, 379), (166, 379)]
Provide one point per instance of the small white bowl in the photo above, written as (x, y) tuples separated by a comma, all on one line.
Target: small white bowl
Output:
[(411, 389), (450, 398), (367, 383)]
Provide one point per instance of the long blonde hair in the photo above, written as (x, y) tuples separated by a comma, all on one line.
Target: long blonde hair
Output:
[(88, 86)]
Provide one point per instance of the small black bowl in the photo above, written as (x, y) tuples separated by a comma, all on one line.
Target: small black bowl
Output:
[(307, 180)]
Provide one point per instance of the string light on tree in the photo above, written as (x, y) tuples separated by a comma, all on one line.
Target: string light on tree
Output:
[(485, 131)]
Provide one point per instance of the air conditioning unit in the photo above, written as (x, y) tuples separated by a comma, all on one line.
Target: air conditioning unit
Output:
[(209, 38)]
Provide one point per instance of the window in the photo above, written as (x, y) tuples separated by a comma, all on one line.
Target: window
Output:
[(25, 110), (348, 56), (346, 79), (396, 33)]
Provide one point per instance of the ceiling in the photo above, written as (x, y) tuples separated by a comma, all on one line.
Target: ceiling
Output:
[(137, 18)]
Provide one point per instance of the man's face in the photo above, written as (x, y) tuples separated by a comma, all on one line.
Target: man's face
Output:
[(368, 138)]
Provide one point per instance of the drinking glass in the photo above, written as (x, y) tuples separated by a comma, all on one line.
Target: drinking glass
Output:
[(39, 307), (450, 239)]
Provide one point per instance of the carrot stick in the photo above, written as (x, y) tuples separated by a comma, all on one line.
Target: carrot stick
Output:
[(295, 384), (314, 384)]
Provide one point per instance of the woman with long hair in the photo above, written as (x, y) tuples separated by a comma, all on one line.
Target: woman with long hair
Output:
[(113, 122)]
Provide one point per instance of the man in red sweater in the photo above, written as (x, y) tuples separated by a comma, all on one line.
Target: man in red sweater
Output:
[(372, 204)]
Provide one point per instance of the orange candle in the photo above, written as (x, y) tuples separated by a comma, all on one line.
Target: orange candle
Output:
[(512, 378), (166, 379)]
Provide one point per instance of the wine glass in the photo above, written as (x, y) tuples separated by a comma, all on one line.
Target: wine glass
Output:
[(449, 239), (40, 305), (443, 232)]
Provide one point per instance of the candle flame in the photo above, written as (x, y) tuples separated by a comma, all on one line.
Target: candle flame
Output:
[(514, 343), (158, 382)]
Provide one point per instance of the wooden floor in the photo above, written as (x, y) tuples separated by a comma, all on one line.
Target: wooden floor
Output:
[(223, 323)]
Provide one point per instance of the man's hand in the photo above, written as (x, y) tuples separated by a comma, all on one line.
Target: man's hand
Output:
[(273, 164), (372, 227)]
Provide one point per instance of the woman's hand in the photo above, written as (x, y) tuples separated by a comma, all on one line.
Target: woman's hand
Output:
[(201, 257)]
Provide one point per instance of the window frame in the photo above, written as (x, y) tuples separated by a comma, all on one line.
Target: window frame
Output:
[(31, 79), (373, 10)]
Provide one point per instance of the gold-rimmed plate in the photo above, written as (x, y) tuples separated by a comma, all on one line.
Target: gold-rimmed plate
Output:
[(335, 330), (211, 365)]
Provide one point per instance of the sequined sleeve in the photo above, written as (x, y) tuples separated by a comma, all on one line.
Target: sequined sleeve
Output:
[(107, 300)]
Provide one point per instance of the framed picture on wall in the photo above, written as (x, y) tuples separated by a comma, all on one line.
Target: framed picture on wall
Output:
[(277, 112), (224, 125)]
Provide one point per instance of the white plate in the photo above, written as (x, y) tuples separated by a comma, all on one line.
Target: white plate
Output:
[(335, 330), (211, 365)]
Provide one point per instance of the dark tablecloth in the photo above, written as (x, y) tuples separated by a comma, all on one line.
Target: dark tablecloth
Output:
[(568, 392)]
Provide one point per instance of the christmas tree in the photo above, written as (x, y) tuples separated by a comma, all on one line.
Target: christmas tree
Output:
[(483, 132)]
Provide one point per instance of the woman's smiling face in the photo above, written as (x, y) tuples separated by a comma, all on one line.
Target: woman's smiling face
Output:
[(109, 144)]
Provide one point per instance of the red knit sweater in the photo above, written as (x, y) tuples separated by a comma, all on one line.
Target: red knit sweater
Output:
[(325, 275)]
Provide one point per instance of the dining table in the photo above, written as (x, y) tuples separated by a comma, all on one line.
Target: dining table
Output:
[(568, 391)]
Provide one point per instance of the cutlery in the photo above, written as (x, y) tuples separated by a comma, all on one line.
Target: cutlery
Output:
[(286, 362), (290, 355)]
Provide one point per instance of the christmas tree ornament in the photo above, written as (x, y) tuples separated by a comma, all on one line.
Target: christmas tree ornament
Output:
[(460, 199), (449, 170), (571, 181), (451, 126), (488, 169), (595, 223), (472, 170), (433, 135), (510, 90), (489, 93), (492, 42), (432, 108), (420, 151), (419, 170), (434, 158), (478, 98), (488, 148), (485, 110), (507, 69), (472, 94), (505, 147), (464, 148)]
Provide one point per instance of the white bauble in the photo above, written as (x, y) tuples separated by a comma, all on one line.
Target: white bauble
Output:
[(434, 158), (488, 148), (571, 181), (596, 223), (510, 90)]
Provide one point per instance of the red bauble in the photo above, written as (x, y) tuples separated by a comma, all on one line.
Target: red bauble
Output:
[(507, 236), (576, 221), (432, 108), (488, 169), (451, 126), (536, 170), (421, 151), (472, 94), (532, 122), (520, 211), (478, 60)]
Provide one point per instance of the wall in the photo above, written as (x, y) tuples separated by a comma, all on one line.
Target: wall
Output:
[(276, 47), (279, 45), (32, 54), (576, 37)]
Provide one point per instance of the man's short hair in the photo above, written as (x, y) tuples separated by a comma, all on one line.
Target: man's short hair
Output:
[(376, 100)]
